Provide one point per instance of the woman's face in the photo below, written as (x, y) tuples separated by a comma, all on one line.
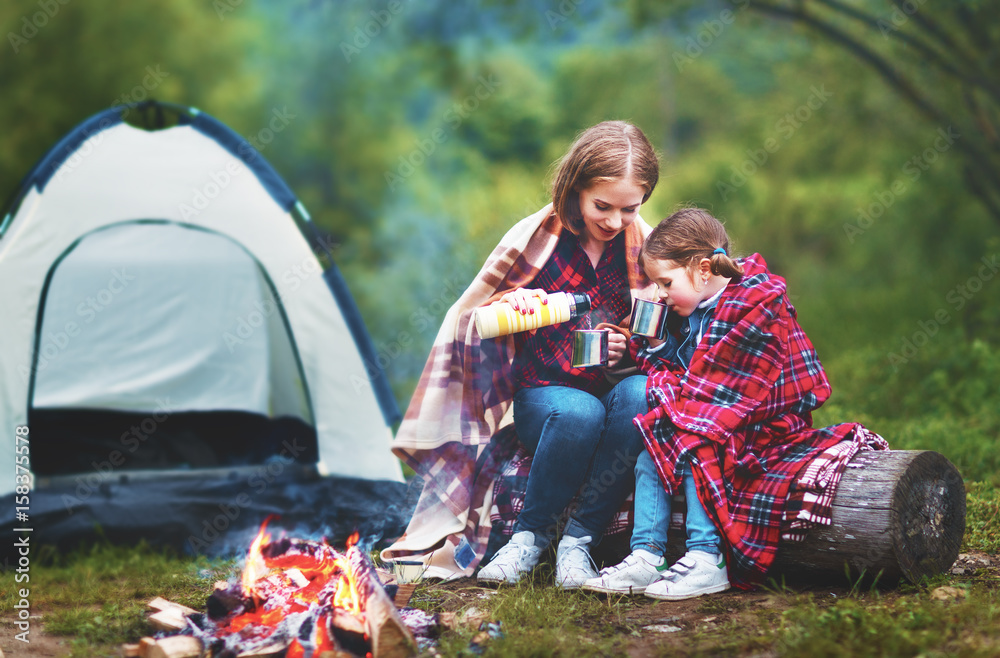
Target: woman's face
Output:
[(608, 207)]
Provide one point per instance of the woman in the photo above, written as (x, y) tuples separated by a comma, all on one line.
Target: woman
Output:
[(577, 423)]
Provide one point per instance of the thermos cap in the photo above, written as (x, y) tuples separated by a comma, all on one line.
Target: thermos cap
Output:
[(581, 303)]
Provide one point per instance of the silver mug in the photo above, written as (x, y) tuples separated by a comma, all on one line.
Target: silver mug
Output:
[(590, 348), (648, 318)]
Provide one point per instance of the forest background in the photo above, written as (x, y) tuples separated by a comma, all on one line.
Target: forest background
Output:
[(417, 133), (854, 143)]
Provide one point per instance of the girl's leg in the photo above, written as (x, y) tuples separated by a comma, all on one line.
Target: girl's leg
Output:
[(702, 570), (702, 534), (652, 508)]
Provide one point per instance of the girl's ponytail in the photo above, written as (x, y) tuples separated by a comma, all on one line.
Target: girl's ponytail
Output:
[(723, 265)]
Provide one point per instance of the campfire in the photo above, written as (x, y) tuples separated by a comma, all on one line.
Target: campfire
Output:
[(296, 598)]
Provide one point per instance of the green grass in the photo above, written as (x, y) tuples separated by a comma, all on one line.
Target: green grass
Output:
[(912, 624), (97, 596), (96, 599), (982, 518)]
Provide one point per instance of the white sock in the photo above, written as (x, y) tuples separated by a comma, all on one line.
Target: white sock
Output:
[(705, 556), (649, 558)]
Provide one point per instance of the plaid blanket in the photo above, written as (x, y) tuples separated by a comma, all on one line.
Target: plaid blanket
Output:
[(741, 413), (461, 402)]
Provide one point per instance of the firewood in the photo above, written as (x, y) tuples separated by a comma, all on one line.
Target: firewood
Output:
[(390, 638), (902, 514), (176, 646), (160, 603), (403, 594), (169, 616)]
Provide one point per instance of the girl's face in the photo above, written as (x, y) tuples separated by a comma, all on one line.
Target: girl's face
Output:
[(675, 286), (608, 208)]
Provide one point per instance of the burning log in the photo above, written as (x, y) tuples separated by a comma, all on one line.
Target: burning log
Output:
[(295, 598), (390, 637)]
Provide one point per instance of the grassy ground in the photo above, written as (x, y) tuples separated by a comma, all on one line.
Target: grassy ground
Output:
[(90, 602)]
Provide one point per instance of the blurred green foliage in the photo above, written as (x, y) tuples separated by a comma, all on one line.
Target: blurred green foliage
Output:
[(421, 132)]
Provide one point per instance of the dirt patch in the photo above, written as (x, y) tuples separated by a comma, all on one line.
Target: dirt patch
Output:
[(40, 645)]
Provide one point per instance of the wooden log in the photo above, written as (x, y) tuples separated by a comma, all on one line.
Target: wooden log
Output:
[(898, 513), (389, 636), (177, 646), (168, 616)]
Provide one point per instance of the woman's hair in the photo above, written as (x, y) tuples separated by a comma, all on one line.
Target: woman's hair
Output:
[(686, 237), (608, 151)]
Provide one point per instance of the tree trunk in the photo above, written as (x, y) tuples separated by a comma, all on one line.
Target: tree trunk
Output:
[(898, 513)]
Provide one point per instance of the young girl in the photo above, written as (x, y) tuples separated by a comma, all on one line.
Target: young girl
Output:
[(731, 391), (575, 422)]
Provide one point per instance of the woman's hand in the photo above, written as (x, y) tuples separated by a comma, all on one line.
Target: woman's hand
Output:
[(520, 299), (617, 347)]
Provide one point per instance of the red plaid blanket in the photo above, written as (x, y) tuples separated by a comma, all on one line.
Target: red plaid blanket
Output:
[(742, 414)]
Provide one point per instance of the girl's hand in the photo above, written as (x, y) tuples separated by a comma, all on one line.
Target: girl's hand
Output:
[(520, 298), (617, 347)]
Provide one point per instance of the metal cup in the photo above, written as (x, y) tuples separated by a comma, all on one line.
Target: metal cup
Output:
[(648, 318), (408, 571), (590, 348)]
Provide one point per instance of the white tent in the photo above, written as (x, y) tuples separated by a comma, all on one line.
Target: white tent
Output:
[(163, 272)]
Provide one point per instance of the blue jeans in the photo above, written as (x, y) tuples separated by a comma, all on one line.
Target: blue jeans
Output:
[(578, 440), (652, 512)]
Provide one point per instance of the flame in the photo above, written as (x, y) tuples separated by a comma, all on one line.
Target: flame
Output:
[(347, 591), (255, 568), (281, 585)]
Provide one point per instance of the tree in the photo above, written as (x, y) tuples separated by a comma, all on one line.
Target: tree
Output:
[(939, 58)]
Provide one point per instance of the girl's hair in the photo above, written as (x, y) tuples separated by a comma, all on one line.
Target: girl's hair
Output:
[(608, 151), (686, 237)]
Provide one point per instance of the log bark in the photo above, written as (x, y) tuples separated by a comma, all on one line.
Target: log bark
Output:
[(389, 636), (896, 514)]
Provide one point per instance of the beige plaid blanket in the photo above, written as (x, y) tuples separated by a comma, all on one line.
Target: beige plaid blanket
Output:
[(462, 399)]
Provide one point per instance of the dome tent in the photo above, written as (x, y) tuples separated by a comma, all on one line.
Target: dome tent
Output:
[(167, 324)]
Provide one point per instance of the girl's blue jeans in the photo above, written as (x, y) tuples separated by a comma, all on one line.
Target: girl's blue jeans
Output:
[(652, 512), (581, 443)]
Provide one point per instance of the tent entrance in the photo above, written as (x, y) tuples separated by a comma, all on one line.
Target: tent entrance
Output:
[(162, 346)]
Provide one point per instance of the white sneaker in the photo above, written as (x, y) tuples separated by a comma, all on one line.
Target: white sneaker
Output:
[(632, 576), (694, 574), (517, 558), (574, 566)]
